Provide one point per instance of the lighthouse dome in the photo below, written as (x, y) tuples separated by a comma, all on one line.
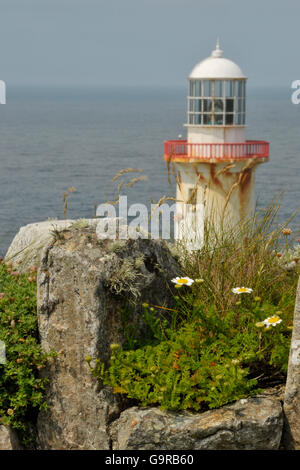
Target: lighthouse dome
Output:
[(216, 66)]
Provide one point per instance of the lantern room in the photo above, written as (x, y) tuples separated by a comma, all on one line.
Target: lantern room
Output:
[(216, 115), (216, 109), (216, 102)]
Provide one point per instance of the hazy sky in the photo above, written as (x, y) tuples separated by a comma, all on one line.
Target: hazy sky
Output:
[(145, 42)]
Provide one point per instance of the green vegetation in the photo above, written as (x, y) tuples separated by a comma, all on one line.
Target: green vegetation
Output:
[(228, 335), (21, 388)]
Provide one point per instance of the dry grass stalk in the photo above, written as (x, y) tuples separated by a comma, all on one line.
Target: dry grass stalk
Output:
[(126, 170), (163, 199), (128, 185), (71, 189), (133, 181), (114, 202)]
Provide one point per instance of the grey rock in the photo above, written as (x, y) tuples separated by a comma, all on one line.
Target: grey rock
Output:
[(83, 284), (292, 391), (8, 439), (251, 424), (27, 245)]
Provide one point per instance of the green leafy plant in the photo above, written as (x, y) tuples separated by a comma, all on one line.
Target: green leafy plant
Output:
[(205, 363), (175, 374), (21, 387)]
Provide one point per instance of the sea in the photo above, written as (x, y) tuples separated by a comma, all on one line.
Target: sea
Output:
[(52, 139)]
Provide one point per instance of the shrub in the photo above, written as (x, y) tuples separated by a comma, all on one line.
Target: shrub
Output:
[(21, 388), (205, 363)]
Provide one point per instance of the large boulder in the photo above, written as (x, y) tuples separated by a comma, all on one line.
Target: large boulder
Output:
[(90, 294), (27, 245), (292, 391), (249, 424)]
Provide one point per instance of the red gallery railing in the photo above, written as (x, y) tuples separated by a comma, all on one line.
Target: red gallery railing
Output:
[(180, 149)]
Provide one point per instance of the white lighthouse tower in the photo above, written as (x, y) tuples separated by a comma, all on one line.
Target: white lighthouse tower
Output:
[(215, 166)]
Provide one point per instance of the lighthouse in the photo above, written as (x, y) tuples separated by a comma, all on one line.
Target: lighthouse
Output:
[(215, 165)]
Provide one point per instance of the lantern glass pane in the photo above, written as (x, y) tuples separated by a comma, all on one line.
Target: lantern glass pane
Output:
[(219, 106), (207, 88), (229, 119), (219, 119), (198, 88), (207, 105), (207, 119), (218, 88)]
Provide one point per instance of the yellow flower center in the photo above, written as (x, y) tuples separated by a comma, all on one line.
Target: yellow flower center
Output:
[(243, 289), (273, 319), (181, 281)]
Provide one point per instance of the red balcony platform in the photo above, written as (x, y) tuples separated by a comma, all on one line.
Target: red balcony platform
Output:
[(181, 151)]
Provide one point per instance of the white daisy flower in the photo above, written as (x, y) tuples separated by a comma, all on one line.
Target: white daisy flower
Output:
[(242, 290), (272, 321), (183, 281)]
